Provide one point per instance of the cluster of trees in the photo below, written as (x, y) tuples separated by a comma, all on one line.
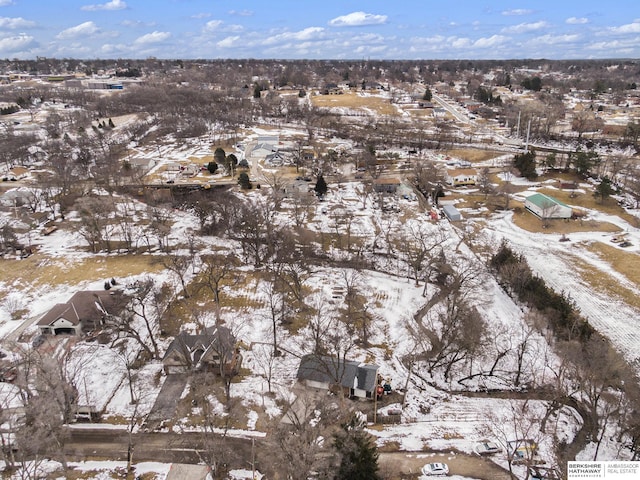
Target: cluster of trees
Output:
[(593, 377)]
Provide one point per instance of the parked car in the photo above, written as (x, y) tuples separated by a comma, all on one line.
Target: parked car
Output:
[(39, 340), (486, 447), (435, 469)]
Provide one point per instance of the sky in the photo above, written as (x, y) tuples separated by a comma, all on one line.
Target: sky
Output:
[(329, 29)]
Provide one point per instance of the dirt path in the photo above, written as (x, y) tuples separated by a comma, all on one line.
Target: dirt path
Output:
[(407, 465)]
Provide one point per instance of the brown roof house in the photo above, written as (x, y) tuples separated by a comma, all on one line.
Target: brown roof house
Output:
[(214, 350), (83, 312), (355, 379)]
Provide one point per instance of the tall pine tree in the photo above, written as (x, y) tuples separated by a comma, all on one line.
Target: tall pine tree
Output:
[(321, 186), (359, 454)]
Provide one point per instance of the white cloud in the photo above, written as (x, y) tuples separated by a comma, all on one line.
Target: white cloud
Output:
[(577, 20), (201, 15), (517, 12), (628, 28), (84, 29), (14, 23), (228, 42), (242, 13), (112, 5), (358, 19), (492, 41), (4, 3), (16, 44), (212, 25), (136, 23), (525, 27), (309, 33), (234, 28), (555, 39), (153, 37)]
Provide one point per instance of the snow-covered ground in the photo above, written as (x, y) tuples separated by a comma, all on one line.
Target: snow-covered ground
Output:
[(434, 419)]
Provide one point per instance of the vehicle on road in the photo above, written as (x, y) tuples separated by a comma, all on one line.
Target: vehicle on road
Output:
[(435, 469)]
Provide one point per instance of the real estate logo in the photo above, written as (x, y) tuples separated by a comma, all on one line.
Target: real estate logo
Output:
[(609, 470)]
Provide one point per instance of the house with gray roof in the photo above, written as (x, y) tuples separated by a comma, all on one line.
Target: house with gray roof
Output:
[(214, 350), (324, 372)]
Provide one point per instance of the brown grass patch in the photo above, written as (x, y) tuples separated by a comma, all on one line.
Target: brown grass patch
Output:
[(473, 155), (603, 282), (380, 105), (621, 261), (38, 269)]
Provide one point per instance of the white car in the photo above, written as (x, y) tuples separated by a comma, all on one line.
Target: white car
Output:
[(432, 469), (486, 447)]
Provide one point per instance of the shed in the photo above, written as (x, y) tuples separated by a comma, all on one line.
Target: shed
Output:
[(452, 213), (544, 206)]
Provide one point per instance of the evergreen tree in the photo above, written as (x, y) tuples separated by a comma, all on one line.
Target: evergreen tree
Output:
[(111, 124), (526, 165), (358, 452), (603, 190), (230, 162), (219, 155), (212, 167), (244, 182), (321, 186), (427, 95)]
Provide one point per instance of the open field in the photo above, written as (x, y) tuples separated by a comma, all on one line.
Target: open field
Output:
[(366, 103), (473, 155), (604, 283), (38, 269)]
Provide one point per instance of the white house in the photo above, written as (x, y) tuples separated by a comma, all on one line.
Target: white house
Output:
[(462, 176), (544, 206)]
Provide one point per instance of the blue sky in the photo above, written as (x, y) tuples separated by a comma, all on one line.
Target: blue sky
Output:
[(329, 29)]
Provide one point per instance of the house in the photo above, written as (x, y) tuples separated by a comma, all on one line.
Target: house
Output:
[(386, 184), (546, 207), (143, 165), (355, 379), (214, 350), (461, 176), (276, 159), (83, 312), (261, 150)]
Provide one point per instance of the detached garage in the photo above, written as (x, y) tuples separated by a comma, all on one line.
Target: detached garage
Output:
[(544, 206)]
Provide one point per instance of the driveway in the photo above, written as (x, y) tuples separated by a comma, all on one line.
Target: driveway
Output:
[(166, 402)]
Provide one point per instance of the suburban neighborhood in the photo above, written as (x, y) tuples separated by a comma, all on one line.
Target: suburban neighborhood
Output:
[(265, 270)]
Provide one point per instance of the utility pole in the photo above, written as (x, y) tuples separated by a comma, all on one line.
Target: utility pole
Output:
[(526, 145)]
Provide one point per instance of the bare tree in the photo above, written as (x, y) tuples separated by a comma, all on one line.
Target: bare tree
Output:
[(301, 447), (179, 266), (139, 319), (218, 271), (516, 429)]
